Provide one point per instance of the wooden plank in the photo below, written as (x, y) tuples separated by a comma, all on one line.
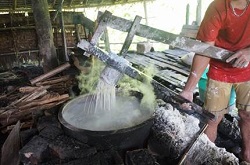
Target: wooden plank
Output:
[(130, 35), (102, 25), (145, 61), (174, 40), (11, 147), (171, 65)]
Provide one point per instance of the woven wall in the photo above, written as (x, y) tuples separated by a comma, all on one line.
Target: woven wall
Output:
[(18, 39)]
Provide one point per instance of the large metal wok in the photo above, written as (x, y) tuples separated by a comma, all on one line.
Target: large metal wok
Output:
[(119, 134)]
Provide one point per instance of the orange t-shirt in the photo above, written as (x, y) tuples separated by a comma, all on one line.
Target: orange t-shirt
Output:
[(229, 32)]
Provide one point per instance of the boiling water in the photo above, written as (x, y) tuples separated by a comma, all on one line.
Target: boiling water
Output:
[(104, 111), (124, 114)]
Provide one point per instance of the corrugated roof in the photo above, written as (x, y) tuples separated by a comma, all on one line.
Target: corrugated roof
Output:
[(25, 5)]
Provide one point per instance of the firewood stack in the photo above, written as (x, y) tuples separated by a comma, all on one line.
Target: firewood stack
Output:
[(24, 103)]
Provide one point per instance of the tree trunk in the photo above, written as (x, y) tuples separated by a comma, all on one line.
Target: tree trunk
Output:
[(45, 34)]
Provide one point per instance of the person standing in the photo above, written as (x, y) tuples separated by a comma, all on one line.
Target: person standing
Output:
[(226, 24)]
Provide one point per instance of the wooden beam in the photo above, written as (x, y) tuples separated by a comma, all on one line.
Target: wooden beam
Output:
[(130, 35), (102, 25)]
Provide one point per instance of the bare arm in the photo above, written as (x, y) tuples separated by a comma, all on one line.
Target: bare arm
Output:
[(198, 66)]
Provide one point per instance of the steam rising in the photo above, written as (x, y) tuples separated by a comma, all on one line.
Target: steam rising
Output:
[(101, 110), (87, 82)]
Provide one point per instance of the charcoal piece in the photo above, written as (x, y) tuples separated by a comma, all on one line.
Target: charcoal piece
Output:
[(35, 151), (105, 158), (51, 132), (55, 161), (112, 157), (27, 135), (94, 160), (230, 129), (140, 157), (224, 142), (117, 157), (68, 148), (45, 121), (161, 145)]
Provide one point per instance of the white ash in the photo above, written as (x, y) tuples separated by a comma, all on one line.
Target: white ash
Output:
[(178, 130), (205, 152)]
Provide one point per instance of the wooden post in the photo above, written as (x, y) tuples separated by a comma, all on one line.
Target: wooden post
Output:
[(44, 32), (65, 51), (198, 12), (187, 14)]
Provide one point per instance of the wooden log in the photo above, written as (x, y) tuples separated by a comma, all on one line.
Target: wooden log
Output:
[(50, 73), (32, 96), (10, 121), (43, 102), (23, 125), (54, 81), (21, 115), (27, 89)]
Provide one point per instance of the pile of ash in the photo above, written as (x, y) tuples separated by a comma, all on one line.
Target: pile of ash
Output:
[(172, 133)]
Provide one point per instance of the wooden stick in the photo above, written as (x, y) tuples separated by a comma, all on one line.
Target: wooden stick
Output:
[(20, 115), (57, 80), (50, 73), (42, 102), (27, 89), (24, 125)]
